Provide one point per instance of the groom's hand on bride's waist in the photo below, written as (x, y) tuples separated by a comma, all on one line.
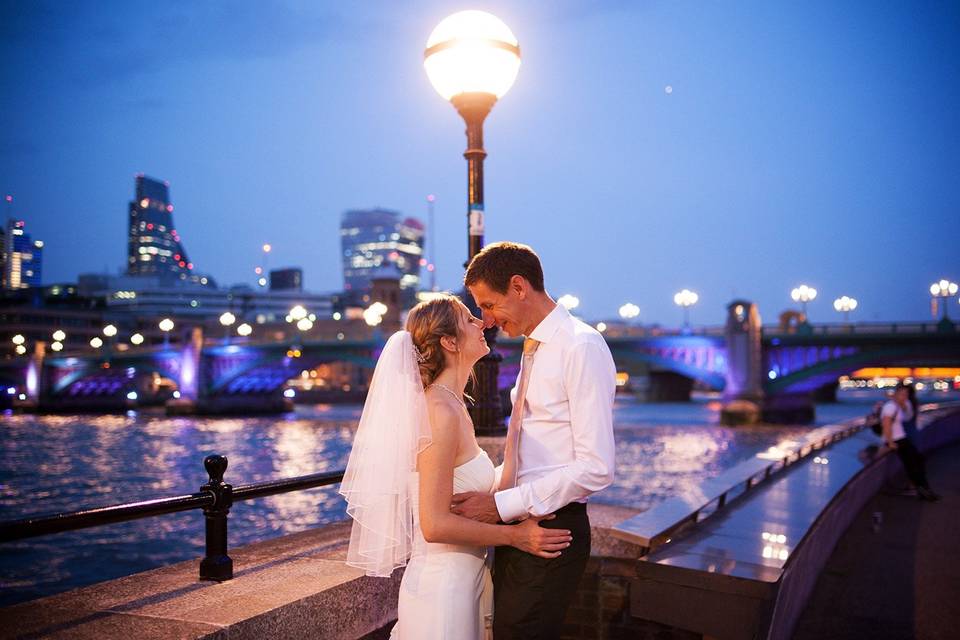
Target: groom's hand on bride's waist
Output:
[(476, 506)]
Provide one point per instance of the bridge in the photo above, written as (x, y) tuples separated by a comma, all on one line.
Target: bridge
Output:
[(766, 373)]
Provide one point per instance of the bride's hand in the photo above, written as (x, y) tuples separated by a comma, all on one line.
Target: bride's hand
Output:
[(529, 536)]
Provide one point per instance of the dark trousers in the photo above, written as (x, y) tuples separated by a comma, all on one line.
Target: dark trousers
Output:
[(913, 462), (531, 594)]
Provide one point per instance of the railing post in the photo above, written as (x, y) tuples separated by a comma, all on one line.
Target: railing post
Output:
[(217, 565)]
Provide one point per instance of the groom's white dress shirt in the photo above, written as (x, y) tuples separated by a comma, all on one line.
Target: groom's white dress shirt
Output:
[(566, 443)]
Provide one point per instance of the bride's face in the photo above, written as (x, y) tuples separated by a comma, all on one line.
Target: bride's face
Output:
[(473, 345)]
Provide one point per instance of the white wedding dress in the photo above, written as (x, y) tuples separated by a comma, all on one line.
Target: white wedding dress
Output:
[(446, 592)]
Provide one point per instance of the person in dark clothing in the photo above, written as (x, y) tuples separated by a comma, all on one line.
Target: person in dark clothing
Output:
[(910, 425), (895, 413)]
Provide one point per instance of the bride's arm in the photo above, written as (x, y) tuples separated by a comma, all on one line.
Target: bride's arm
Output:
[(436, 465)]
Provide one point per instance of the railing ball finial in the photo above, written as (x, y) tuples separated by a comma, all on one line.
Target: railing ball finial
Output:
[(216, 466)]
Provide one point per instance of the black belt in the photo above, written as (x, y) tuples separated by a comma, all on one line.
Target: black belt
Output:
[(572, 508)]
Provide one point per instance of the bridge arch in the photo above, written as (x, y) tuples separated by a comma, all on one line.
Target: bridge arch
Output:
[(827, 371), (696, 357)]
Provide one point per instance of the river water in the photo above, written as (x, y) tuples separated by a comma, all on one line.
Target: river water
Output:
[(51, 463)]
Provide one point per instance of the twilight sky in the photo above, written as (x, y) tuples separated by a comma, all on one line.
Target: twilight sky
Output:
[(805, 142)]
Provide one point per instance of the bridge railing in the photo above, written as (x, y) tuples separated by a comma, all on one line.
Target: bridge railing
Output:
[(775, 330), (859, 328), (215, 498)]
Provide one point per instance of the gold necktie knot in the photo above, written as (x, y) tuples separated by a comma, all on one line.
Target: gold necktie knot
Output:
[(529, 346)]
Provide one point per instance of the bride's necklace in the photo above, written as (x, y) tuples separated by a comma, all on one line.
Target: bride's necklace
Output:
[(448, 390)]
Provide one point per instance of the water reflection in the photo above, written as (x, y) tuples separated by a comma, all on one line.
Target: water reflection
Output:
[(63, 463)]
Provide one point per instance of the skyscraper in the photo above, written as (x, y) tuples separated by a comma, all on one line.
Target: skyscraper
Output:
[(289, 279), (154, 247), (375, 238), (22, 257)]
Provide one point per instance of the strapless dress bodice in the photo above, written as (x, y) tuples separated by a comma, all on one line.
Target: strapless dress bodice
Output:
[(476, 474)]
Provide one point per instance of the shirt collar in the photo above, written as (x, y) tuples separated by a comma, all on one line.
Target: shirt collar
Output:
[(549, 325)]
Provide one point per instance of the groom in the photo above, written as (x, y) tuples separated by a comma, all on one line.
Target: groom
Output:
[(562, 425)]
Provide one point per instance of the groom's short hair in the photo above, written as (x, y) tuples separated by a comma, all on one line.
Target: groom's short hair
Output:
[(500, 261)]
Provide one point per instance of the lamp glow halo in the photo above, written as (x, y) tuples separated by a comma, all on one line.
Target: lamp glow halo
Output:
[(472, 52)]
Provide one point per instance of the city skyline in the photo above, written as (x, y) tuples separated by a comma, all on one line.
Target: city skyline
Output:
[(736, 151)]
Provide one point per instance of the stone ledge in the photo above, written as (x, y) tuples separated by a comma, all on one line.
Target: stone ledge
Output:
[(295, 586)]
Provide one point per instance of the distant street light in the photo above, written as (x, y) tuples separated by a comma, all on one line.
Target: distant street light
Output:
[(59, 335), (20, 349), (686, 299), (110, 331), (845, 305), (629, 311), (373, 315), (56, 346), (18, 339), (943, 289), (96, 342), (601, 326), (166, 325), (472, 59), (803, 294), (227, 319), (136, 339), (568, 301), (298, 313), (304, 324), (244, 330)]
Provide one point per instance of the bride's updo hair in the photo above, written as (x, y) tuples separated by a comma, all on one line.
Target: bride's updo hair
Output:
[(427, 323)]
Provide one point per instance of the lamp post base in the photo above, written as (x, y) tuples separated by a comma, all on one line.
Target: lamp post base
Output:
[(487, 412)]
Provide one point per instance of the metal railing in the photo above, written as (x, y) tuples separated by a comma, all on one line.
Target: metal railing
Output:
[(216, 497), (622, 330), (660, 524), (855, 328), (663, 522)]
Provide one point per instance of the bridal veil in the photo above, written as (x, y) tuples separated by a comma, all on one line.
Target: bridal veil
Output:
[(393, 430)]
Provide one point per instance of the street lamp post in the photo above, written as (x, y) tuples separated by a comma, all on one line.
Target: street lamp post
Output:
[(803, 294), (166, 325), (110, 331), (685, 299), (629, 311), (568, 301), (227, 319), (943, 289), (472, 59), (432, 239), (19, 344), (845, 304), (262, 280)]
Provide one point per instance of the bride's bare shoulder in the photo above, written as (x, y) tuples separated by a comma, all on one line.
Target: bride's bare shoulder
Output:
[(443, 412)]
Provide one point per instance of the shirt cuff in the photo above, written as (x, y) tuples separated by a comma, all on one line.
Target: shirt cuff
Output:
[(510, 504)]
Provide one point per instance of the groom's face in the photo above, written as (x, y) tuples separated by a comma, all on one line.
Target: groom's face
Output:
[(505, 310)]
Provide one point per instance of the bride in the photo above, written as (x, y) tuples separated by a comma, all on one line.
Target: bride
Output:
[(414, 448)]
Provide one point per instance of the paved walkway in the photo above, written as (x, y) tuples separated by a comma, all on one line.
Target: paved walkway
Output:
[(899, 579)]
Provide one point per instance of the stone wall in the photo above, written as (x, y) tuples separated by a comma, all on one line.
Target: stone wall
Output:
[(601, 608)]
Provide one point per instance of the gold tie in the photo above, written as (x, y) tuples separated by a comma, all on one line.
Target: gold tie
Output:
[(511, 451)]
